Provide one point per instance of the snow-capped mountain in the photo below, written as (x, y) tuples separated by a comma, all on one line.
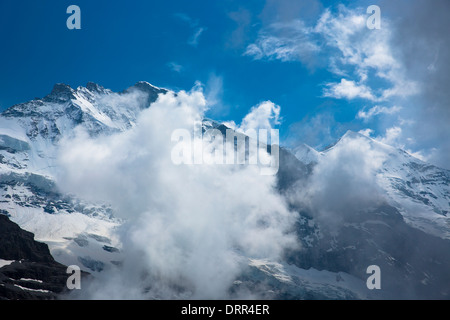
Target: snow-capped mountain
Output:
[(36, 126), (75, 231), (406, 232), (419, 190)]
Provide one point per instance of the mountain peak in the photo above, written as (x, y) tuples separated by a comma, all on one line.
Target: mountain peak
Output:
[(352, 135), (349, 135), (146, 87), (94, 87), (306, 154), (150, 90), (61, 88), (60, 92)]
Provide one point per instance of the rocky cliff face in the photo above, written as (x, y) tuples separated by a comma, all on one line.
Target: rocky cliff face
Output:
[(27, 269)]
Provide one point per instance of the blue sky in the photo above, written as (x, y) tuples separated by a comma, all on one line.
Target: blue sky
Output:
[(302, 55), (120, 44)]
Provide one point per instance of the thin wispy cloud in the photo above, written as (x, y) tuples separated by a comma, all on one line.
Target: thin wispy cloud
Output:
[(242, 18), (377, 110), (194, 25), (291, 41), (214, 91), (176, 67), (193, 41)]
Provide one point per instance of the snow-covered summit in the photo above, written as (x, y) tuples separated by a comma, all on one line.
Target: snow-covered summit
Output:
[(30, 134), (421, 191)]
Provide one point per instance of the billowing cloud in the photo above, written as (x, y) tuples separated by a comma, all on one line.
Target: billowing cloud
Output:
[(189, 228), (342, 183), (263, 116)]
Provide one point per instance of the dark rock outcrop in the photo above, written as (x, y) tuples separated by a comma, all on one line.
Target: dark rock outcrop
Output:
[(33, 274)]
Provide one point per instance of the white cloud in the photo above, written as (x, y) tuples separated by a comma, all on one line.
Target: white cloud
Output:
[(184, 237), (360, 48), (366, 132), (342, 184), (348, 89), (348, 47), (391, 137), (369, 63), (401, 88), (376, 110), (263, 116)]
